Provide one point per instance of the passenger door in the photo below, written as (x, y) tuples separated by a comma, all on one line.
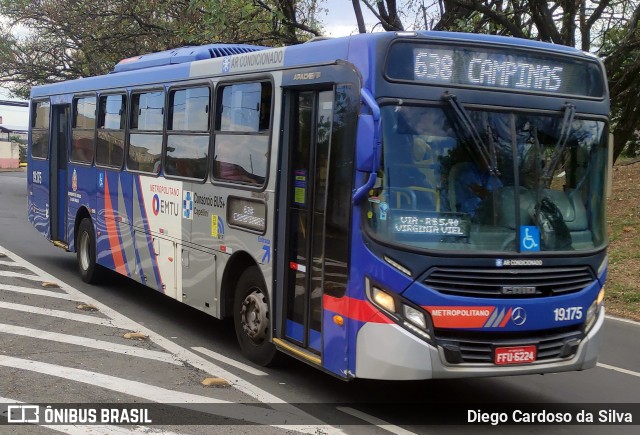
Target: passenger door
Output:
[(60, 140), (310, 127)]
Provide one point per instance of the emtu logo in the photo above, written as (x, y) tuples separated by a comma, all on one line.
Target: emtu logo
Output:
[(155, 204)]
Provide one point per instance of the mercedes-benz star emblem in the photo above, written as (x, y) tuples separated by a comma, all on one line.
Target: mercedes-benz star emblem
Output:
[(519, 316)]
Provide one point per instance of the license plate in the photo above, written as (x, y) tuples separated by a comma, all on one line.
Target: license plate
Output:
[(515, 355)]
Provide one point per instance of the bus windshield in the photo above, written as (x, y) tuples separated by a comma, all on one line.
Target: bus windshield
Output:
[(483, 180)]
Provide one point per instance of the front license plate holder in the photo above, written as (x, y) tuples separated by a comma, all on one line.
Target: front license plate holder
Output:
[(515, 355)]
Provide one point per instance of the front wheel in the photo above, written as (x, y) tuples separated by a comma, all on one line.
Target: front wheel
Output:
[(252, 318), (86, 252)]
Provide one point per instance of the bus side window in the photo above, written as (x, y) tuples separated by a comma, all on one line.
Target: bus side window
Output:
[(40, 130), (83, 129), (243, 124), (145, 138), (187, 149), (111, 125)]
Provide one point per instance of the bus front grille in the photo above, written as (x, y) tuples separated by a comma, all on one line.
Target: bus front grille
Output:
[(509, 283), (464, 347)]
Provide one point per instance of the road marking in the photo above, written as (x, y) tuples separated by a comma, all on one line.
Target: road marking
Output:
[(121, 385), (618, 369), (90, 342), (229, 361), (8, 274), (34, 291), (9, 263), (375, 421), (619, 319), (94, 428), (121, 321), (57, 313), (238, 411)]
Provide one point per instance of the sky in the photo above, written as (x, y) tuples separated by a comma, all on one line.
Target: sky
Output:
[(339, 20)]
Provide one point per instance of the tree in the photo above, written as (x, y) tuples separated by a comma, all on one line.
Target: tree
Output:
[(51, 40)]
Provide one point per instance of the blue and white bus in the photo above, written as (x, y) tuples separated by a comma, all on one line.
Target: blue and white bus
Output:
[(392, 206)]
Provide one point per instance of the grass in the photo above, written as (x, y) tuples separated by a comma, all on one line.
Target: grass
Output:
[(622, 296)]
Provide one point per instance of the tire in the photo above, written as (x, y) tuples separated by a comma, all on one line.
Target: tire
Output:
[(252, 318), (86, 252)]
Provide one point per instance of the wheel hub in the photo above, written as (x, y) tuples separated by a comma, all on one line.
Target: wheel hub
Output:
[(254, 316)]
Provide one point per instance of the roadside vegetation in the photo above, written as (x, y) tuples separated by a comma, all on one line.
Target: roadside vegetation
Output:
[(622, 297)]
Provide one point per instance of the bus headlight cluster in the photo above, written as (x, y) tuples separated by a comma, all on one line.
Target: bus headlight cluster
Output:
[(414, 316), (383, 299), (592, 312), (410, 317)]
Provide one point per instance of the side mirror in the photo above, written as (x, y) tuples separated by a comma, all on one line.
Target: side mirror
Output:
[(365, 148)]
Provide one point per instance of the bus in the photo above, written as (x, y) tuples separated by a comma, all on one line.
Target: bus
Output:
[(392, 206)]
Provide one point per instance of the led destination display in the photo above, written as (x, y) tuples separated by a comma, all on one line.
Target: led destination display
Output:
[(506, 69)]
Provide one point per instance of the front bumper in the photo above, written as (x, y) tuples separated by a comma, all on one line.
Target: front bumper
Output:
[(389, 352)]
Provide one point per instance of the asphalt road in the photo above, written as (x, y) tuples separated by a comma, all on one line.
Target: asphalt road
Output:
[(53, 352)]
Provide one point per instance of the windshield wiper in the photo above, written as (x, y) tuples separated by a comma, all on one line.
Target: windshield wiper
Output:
[(565, 129), (485, 153)]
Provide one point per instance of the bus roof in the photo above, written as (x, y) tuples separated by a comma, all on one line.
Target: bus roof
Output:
[(182, 55)]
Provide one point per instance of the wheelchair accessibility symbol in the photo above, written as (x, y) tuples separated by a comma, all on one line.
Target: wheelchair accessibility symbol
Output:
[(529, 239)]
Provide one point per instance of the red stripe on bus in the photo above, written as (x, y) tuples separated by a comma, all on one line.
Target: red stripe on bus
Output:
[(506, 319), (112, 231), (356, 309)]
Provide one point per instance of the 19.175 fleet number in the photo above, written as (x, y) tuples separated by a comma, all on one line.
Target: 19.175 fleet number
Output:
[(569, 313)]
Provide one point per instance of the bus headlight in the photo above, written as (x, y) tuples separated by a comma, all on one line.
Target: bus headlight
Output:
[(414, 316), (383, 299), (592, 312), (410, 317)]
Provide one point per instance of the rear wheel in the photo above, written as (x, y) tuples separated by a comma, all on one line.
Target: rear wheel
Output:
[(86, 252), (252, 318)]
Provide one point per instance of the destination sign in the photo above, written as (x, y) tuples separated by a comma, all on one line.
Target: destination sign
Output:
[(440, 224), (248, 214), (495, 68)]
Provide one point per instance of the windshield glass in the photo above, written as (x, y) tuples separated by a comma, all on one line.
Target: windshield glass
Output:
[(489, 180)]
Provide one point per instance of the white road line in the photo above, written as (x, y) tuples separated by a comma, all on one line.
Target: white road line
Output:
[(229, 361), (123, 322), (90, 342), (9, 263), (375, 421), (35, 291), (57, 313), (19, 275), (618, 369), (92, 429), (121, 385), (619, 319), (238, 411)]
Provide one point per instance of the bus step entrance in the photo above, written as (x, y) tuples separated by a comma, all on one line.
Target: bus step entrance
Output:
[(297, 352)]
